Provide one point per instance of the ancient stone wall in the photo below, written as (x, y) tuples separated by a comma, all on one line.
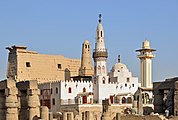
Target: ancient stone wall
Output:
[(166, 96), (29, 65)]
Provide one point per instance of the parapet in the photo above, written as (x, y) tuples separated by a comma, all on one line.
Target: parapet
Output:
[(23, 49), (77, 82)]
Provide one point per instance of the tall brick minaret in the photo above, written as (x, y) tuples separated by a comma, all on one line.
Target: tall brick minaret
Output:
[(86, 62)]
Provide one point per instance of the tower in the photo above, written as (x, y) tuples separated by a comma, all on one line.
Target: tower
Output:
[(100, 56), (86, 62), (145, 57)]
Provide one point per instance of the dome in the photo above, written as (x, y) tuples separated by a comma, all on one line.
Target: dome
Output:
[(146, 44), (119, 66), (86, 42), (99, 27)]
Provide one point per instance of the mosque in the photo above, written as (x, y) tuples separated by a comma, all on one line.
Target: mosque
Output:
[(119, 86), (73, 85)]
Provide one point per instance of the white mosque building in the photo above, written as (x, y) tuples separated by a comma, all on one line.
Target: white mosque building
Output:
[(118, 85), (119, 81)]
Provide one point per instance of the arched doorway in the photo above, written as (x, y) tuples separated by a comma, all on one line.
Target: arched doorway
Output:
[(129, 100), (147, 99), (112, 99), (84, 99), (104, 80), (84, 89), (123, 100)]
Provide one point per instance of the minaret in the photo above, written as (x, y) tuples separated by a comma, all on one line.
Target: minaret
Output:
[(145, 57), (86, 62), (100, 56)]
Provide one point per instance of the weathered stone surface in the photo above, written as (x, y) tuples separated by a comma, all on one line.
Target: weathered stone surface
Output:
[(11, 102), (21, 102), (34, 113), (166, 96), (33, 101), (29, 65), (44, 112)]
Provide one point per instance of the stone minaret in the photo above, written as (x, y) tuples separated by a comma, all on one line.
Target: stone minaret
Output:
[(100, 56), (145, 57), (86, 62)]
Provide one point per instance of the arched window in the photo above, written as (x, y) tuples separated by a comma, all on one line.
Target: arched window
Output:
[(103, 69), (123, 100), (84, 89), (129, 100), (104, 80), (101, 34), (85, 46), (56, 90), (70, 90), (51, 91), (99, 70), (147, 99), (94, 80)]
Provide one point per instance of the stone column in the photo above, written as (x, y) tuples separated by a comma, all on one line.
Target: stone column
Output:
[(2, 105), (23, 113), (64, 115), (140, 103), (68, 116), (33, 103), (135, 106), (44, 112), (11, 101), (50, 116), (158, 102)]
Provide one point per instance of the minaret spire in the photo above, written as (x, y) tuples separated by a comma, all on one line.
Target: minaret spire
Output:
[(100, 18), (119, 58)]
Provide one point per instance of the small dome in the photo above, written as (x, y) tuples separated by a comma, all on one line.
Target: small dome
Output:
[(99, 27), (146, 44), (86, 42), (119, 66)]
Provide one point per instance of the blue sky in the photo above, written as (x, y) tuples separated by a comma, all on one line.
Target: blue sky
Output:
[(56, 27)]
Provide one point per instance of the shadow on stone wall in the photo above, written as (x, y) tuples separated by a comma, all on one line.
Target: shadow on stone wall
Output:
[(147, 110)]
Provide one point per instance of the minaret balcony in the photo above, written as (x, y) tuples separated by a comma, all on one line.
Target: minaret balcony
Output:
[(146, 56), (100, 53)]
